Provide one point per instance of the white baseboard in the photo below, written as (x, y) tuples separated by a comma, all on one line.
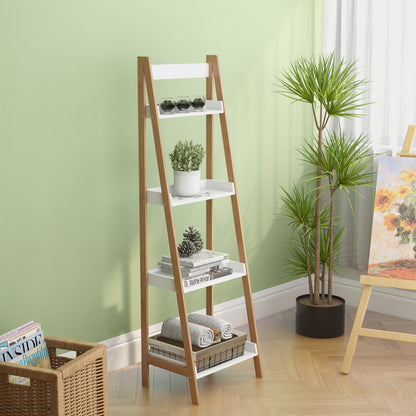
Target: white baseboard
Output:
[(124, 350)]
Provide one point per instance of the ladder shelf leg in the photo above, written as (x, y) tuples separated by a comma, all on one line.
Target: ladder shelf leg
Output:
[(180, 295), (143, 222), (214, 61), (210, 175)]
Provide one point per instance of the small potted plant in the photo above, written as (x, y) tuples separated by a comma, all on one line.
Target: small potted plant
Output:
[(186, 159)]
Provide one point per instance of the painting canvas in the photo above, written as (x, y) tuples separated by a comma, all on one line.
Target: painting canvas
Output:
[(393, 237)]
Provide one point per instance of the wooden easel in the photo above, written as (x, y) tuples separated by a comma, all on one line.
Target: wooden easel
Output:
[(369, 282)]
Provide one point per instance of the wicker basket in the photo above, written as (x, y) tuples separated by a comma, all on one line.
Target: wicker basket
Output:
[(73, 387), (204, 358)]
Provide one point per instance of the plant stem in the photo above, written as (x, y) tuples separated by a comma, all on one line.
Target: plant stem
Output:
[(318, 210), (323, 282), (314, 116), (331, 243), (308, 265), (326, 119)]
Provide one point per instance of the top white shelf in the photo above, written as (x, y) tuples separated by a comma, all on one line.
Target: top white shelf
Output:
[(211, 107), (180, 71)]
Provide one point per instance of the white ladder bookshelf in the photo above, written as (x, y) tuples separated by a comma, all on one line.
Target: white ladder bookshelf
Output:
[(163, 195)]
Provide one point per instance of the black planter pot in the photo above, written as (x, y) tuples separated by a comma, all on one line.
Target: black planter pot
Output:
[(316, 321)]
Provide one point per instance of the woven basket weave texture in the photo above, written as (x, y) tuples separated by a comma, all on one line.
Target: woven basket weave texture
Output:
[(73, 387)]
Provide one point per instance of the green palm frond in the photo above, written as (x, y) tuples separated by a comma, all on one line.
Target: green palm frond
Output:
[(346, 161), (326, 80), (295, 265), (324, 218), (354, 160), (298, 82), (324, 248), (299, 206)]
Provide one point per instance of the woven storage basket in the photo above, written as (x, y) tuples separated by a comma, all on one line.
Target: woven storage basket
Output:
[(204, 358), (73, 387)]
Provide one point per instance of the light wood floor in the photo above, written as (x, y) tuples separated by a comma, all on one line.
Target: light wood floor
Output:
[(301, 377)]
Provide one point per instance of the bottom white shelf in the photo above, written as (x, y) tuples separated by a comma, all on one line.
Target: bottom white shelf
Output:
[(250, 351)]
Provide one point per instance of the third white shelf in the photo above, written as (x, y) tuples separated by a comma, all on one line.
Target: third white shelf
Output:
[(165, 280)]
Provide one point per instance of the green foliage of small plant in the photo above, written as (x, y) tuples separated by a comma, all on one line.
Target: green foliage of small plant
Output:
[(186, 156)]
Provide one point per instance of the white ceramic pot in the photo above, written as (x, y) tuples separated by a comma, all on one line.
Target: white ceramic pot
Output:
[(187, 183)]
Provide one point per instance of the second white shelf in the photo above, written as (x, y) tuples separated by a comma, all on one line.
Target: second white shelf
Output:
[(210, 189)]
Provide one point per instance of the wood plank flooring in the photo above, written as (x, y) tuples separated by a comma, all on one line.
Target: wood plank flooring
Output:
[(301, 377)]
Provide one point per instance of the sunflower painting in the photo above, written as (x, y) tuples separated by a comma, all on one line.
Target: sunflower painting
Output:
[(393, 238)]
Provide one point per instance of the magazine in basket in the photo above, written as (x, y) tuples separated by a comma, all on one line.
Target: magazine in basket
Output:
[(25, 345)]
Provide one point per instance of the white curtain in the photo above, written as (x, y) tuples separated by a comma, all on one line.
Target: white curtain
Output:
[(380, 36)]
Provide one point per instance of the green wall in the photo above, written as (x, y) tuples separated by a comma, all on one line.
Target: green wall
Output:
[(69, 176)]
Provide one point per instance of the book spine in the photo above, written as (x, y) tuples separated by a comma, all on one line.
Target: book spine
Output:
[(167, 265), (200, 272), (207, 277), (200, 263), (204, 257), (197, 280), (186, 273)]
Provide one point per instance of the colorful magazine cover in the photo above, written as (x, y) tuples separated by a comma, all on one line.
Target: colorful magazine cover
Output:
[(36, 357)]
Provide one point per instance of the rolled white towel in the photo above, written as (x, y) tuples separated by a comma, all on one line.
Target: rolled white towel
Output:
[(201, 336), (224, 326)]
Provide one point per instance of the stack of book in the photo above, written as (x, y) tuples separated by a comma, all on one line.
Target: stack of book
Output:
[(25, 345), (201, 267)]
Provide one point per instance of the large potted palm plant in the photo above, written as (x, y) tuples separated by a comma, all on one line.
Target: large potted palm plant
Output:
[(339, 163)]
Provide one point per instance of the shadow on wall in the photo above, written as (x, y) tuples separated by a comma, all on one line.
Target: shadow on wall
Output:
[(268, 254)]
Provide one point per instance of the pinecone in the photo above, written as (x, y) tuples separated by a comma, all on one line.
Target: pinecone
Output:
[(193, 235), (186, 248)]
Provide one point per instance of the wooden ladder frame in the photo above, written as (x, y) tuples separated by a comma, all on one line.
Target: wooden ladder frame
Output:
[(146, 84), (369, 282)]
